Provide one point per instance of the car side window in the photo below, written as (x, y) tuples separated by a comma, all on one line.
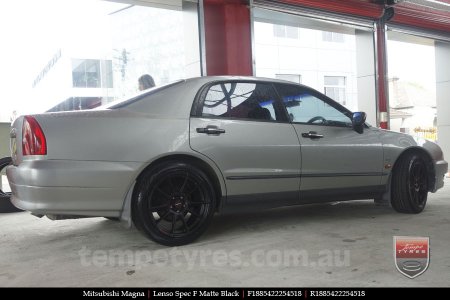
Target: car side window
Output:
[(304, 106), (242, 100)]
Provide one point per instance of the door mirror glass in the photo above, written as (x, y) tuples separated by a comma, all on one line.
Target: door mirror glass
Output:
[(358, 120)]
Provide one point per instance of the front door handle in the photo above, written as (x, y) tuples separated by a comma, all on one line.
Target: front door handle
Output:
[(211, 129), (312, 135)]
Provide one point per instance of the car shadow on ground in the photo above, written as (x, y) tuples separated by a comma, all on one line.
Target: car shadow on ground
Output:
[(300, 215), (102, 233)]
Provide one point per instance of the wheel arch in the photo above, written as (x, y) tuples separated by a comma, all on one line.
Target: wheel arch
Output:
[(212, 172), (428, 161)]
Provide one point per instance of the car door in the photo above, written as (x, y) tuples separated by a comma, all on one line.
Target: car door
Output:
[(336, 160), (243, 128)]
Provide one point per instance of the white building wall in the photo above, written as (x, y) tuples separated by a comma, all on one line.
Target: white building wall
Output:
[(365, 75), (55, 86), (309, 56), (443, 96), (152, 42), (161, 42)]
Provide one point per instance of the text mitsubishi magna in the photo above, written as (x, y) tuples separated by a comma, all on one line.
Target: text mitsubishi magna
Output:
[(172, 156)]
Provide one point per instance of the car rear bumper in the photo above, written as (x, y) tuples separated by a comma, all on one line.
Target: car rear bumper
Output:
[(441, 168), (87, 188)]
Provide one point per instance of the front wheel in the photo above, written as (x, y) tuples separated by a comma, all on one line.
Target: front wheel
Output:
[(173, 203), (410, 184)]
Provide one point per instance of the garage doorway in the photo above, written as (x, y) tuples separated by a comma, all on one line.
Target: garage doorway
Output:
[(412, 85), (419, 85), (334, 57)]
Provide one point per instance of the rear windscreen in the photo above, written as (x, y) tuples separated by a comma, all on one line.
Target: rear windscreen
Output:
[(125, 102)]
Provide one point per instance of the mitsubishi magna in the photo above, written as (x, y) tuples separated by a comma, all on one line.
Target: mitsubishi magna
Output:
[(170, 157)]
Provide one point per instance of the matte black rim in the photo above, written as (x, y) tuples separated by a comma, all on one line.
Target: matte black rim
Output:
[(418, 185), (178, 204)]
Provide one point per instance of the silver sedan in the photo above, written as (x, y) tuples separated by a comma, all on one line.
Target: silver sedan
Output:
[(170, 157)]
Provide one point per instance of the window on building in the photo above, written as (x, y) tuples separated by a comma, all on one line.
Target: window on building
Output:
[(283, 31), (92, 73), (335, 37), (289, 77), (78, 73), (334, 87), (243, 100), (107, 73)]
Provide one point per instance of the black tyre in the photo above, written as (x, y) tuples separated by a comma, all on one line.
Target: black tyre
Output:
[(173, 203), (410, 184), (5, 197)]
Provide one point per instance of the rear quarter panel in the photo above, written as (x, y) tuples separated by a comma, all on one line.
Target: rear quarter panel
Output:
[(105, 150), (116, 135)]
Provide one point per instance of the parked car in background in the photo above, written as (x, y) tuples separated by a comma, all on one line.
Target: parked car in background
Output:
[(5, 195), (172, 156)]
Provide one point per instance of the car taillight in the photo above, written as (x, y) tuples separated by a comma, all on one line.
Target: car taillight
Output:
[(33, 138)]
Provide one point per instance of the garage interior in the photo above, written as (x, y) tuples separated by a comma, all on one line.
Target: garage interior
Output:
[(253, 38)]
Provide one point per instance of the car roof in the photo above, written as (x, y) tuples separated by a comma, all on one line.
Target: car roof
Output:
[(206, 79), (183, 92)]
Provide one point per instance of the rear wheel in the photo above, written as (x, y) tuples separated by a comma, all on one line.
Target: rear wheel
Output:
[(5, 197), (173, 203), (410, 184)]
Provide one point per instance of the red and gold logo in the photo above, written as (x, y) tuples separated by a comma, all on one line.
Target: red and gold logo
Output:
[(412, 255)]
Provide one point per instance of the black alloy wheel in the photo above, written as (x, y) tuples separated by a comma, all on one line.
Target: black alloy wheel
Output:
[(173, 203), (410, 184)]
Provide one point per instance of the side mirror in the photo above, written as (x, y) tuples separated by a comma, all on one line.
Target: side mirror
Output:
[(358, 120)]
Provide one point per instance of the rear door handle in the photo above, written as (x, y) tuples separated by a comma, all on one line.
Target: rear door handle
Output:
[(312, 135), (211, 129)]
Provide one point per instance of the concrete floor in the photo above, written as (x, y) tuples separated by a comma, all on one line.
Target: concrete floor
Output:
[(239, 250)]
